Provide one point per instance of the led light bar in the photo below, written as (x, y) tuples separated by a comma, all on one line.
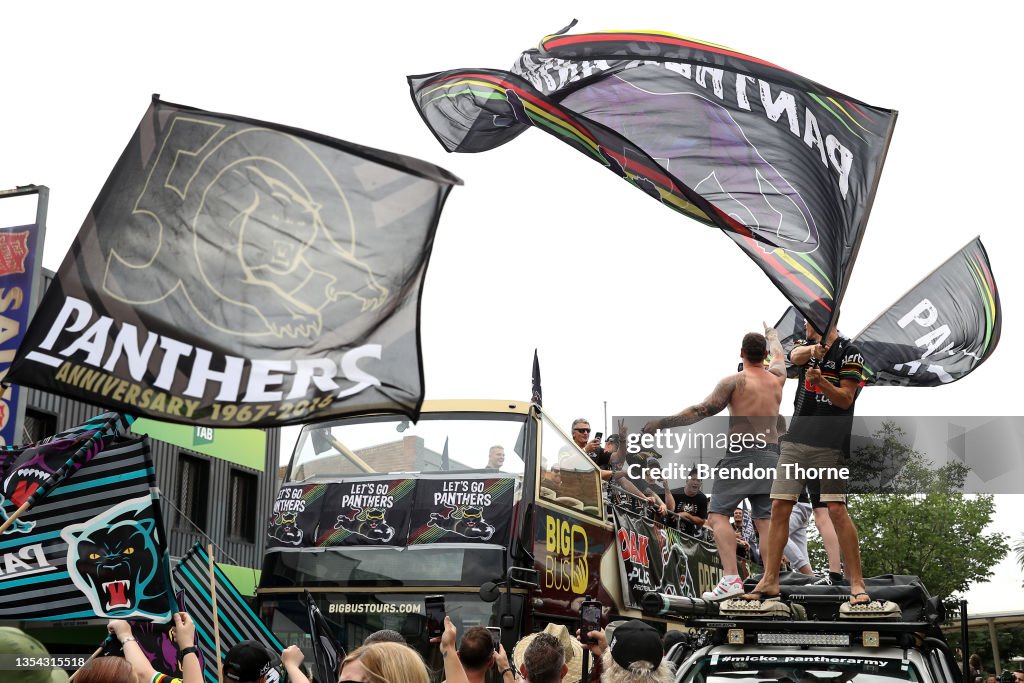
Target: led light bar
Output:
[(840, 639)]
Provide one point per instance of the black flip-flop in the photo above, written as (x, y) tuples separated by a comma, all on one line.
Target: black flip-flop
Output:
[(854, 596), (762, 596)]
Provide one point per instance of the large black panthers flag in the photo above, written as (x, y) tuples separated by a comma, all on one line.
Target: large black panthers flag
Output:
[(653, 557), (239, 273), (940, 330), (786, 166), (95, 547)]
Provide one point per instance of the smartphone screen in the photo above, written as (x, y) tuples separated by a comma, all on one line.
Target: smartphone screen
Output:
[(434, 605), (495, 636), (590, 620), (598, 436)]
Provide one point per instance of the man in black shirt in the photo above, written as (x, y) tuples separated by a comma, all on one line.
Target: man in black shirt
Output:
[(690, 504), (817, 438)]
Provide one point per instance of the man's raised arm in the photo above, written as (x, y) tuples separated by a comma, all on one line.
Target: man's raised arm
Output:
[(778, 366), (712, 405)]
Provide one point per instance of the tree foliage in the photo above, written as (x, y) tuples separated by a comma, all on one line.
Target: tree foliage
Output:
[(1018, 548), (925, 526)]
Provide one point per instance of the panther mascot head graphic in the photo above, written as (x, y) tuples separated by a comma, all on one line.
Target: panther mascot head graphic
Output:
[(465, 521), (113, 560), (369, 523), (284, 529), (35, 465)]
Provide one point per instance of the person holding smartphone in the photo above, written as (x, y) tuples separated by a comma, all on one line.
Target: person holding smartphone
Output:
[(477, 654), (581, 436)]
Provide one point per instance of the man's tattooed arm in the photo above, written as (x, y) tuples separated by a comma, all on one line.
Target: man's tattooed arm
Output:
[(712, 405)]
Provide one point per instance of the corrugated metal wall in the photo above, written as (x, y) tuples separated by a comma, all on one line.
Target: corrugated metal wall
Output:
[(217, 498), (165, 458)]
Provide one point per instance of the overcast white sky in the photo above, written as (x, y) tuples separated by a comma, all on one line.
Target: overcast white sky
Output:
[(626, 301)]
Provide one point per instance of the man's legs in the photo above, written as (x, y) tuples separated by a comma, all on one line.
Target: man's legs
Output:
[(849, 545), (725, 542), (771, 549), (823, 521)]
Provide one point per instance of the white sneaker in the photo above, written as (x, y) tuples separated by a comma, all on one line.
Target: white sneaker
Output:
[(728, 587)]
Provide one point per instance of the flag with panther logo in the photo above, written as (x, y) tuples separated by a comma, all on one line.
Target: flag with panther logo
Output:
[(95, 547), (787, 167), (238, 273)]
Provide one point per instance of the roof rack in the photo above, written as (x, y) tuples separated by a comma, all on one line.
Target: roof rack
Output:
[(788, 628)]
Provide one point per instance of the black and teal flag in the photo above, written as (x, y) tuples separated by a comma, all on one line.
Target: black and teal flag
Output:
[(95, 547), (236, 620)]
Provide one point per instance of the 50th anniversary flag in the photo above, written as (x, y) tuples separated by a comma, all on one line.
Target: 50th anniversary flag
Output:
[(239, 273)]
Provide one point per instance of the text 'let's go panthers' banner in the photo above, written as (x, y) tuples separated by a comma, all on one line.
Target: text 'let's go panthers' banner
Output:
[(392, 512), (653, 557), (239, 273), (94, 547)]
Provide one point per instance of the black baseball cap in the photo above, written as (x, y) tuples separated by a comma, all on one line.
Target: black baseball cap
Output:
[(636, 641), (247, 661)]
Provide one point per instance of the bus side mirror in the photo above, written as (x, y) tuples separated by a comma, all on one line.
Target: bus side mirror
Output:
[(489, 591)]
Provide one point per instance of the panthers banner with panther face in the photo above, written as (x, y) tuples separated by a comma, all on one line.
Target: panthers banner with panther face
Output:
[(240, 273), (786, 166), (94, 547)]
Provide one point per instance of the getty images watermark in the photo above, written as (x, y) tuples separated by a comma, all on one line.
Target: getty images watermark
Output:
[(678, 440), (883, 454)]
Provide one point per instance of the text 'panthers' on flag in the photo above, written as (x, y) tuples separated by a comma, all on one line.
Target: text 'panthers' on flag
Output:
[(240, 273), (94, 547), (236, 620), (940, 330), (786, 166)]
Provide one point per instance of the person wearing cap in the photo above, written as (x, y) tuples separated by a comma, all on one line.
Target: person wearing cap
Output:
[(15, 642), (247, 662), (753, 396), (632, 654), (549, 656), (184, 638)]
